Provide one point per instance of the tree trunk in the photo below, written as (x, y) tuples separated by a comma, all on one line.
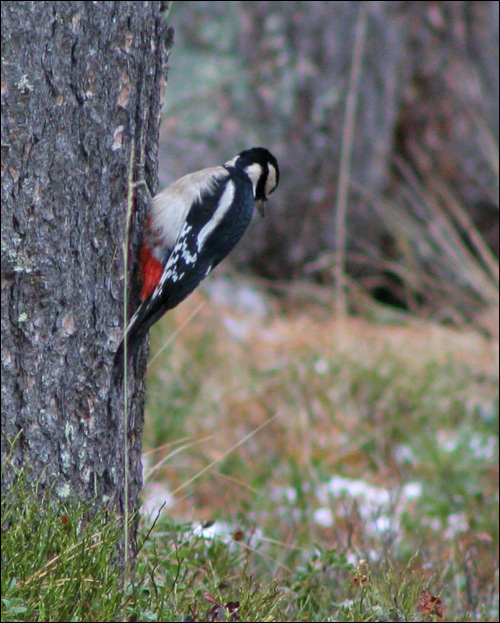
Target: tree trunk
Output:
[(82, 88)]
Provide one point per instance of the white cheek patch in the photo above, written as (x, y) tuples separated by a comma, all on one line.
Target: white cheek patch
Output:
[(225, 202), (254, 172), (271, 182)]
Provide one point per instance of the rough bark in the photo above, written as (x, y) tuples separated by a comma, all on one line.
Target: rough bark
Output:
[(82, 82)]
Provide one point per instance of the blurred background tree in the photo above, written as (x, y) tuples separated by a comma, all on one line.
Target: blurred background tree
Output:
[(422, 206)]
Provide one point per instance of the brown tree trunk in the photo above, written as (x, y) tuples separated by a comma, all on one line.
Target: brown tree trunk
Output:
[(82, 84)]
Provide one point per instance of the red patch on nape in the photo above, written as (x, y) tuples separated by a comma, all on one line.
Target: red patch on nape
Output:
[(151, 270)]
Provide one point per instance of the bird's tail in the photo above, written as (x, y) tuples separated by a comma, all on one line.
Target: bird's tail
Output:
[(133, 337)]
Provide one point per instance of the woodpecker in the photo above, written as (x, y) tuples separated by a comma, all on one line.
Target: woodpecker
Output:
[(192, 225)]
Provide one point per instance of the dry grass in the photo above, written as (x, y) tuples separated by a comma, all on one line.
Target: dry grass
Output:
[(379, 408)]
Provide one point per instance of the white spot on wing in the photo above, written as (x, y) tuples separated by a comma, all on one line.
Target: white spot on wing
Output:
[(223, 206), (189, 258), (181, 249)]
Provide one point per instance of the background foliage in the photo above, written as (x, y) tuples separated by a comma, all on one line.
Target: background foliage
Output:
[(426, 132)]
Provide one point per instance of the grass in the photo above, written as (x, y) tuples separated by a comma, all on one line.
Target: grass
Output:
[(53, 568), (382, 448), (369, 492)]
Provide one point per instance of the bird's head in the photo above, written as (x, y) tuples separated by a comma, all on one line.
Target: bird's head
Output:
[(262, 169)]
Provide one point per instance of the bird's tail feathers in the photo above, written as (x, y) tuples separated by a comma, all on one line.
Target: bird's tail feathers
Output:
[(134, 335)]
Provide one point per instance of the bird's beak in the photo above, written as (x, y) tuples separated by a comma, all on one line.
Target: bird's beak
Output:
[(261, 207)]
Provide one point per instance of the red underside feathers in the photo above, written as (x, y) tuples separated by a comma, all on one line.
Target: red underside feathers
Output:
[(151, 270)]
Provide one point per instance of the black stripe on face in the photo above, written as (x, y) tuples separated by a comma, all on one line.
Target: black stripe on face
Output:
[(272, 179), (260, 189)]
